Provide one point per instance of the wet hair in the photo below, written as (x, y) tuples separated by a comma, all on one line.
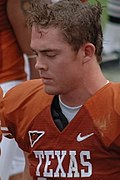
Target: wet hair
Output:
[(79, 22)]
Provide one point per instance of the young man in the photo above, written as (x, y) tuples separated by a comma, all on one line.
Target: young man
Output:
[(69, 120)]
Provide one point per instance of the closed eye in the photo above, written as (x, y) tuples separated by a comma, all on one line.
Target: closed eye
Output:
[(50, 54)]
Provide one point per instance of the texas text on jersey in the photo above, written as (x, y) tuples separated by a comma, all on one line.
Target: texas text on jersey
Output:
[(78, 151)]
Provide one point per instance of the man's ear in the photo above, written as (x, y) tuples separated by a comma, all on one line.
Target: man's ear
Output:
[(88, 50)]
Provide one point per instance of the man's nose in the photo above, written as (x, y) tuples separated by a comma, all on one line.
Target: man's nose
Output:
[(40, 64)]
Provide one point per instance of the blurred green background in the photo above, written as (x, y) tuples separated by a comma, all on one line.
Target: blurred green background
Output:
[(104, 14)]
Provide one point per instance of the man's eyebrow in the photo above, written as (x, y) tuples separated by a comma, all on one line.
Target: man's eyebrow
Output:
[(46, 50)]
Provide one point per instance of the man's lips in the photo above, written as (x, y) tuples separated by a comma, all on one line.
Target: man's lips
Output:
[(46, 80)]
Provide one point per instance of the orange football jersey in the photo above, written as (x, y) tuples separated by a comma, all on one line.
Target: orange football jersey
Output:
[(11, 56), (89, 146)]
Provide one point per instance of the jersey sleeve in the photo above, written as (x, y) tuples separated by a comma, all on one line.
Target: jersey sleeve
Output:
[(106, 114), (19, 107), (4, 129)]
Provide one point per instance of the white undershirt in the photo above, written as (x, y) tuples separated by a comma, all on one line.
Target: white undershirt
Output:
[(69, 111)]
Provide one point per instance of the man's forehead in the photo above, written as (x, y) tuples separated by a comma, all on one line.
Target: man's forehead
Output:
[(45, 32), (46, 38), (39, 31)]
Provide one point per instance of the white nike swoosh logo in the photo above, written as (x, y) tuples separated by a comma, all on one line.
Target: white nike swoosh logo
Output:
[(82, 138)]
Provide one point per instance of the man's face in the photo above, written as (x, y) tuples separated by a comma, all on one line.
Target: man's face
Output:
[(56, 61)]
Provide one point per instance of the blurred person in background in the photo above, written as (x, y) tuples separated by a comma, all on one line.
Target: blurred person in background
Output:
[(14, 42), (111, 34)]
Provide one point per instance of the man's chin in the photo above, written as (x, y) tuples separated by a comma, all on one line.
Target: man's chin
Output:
[(50, 91)]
